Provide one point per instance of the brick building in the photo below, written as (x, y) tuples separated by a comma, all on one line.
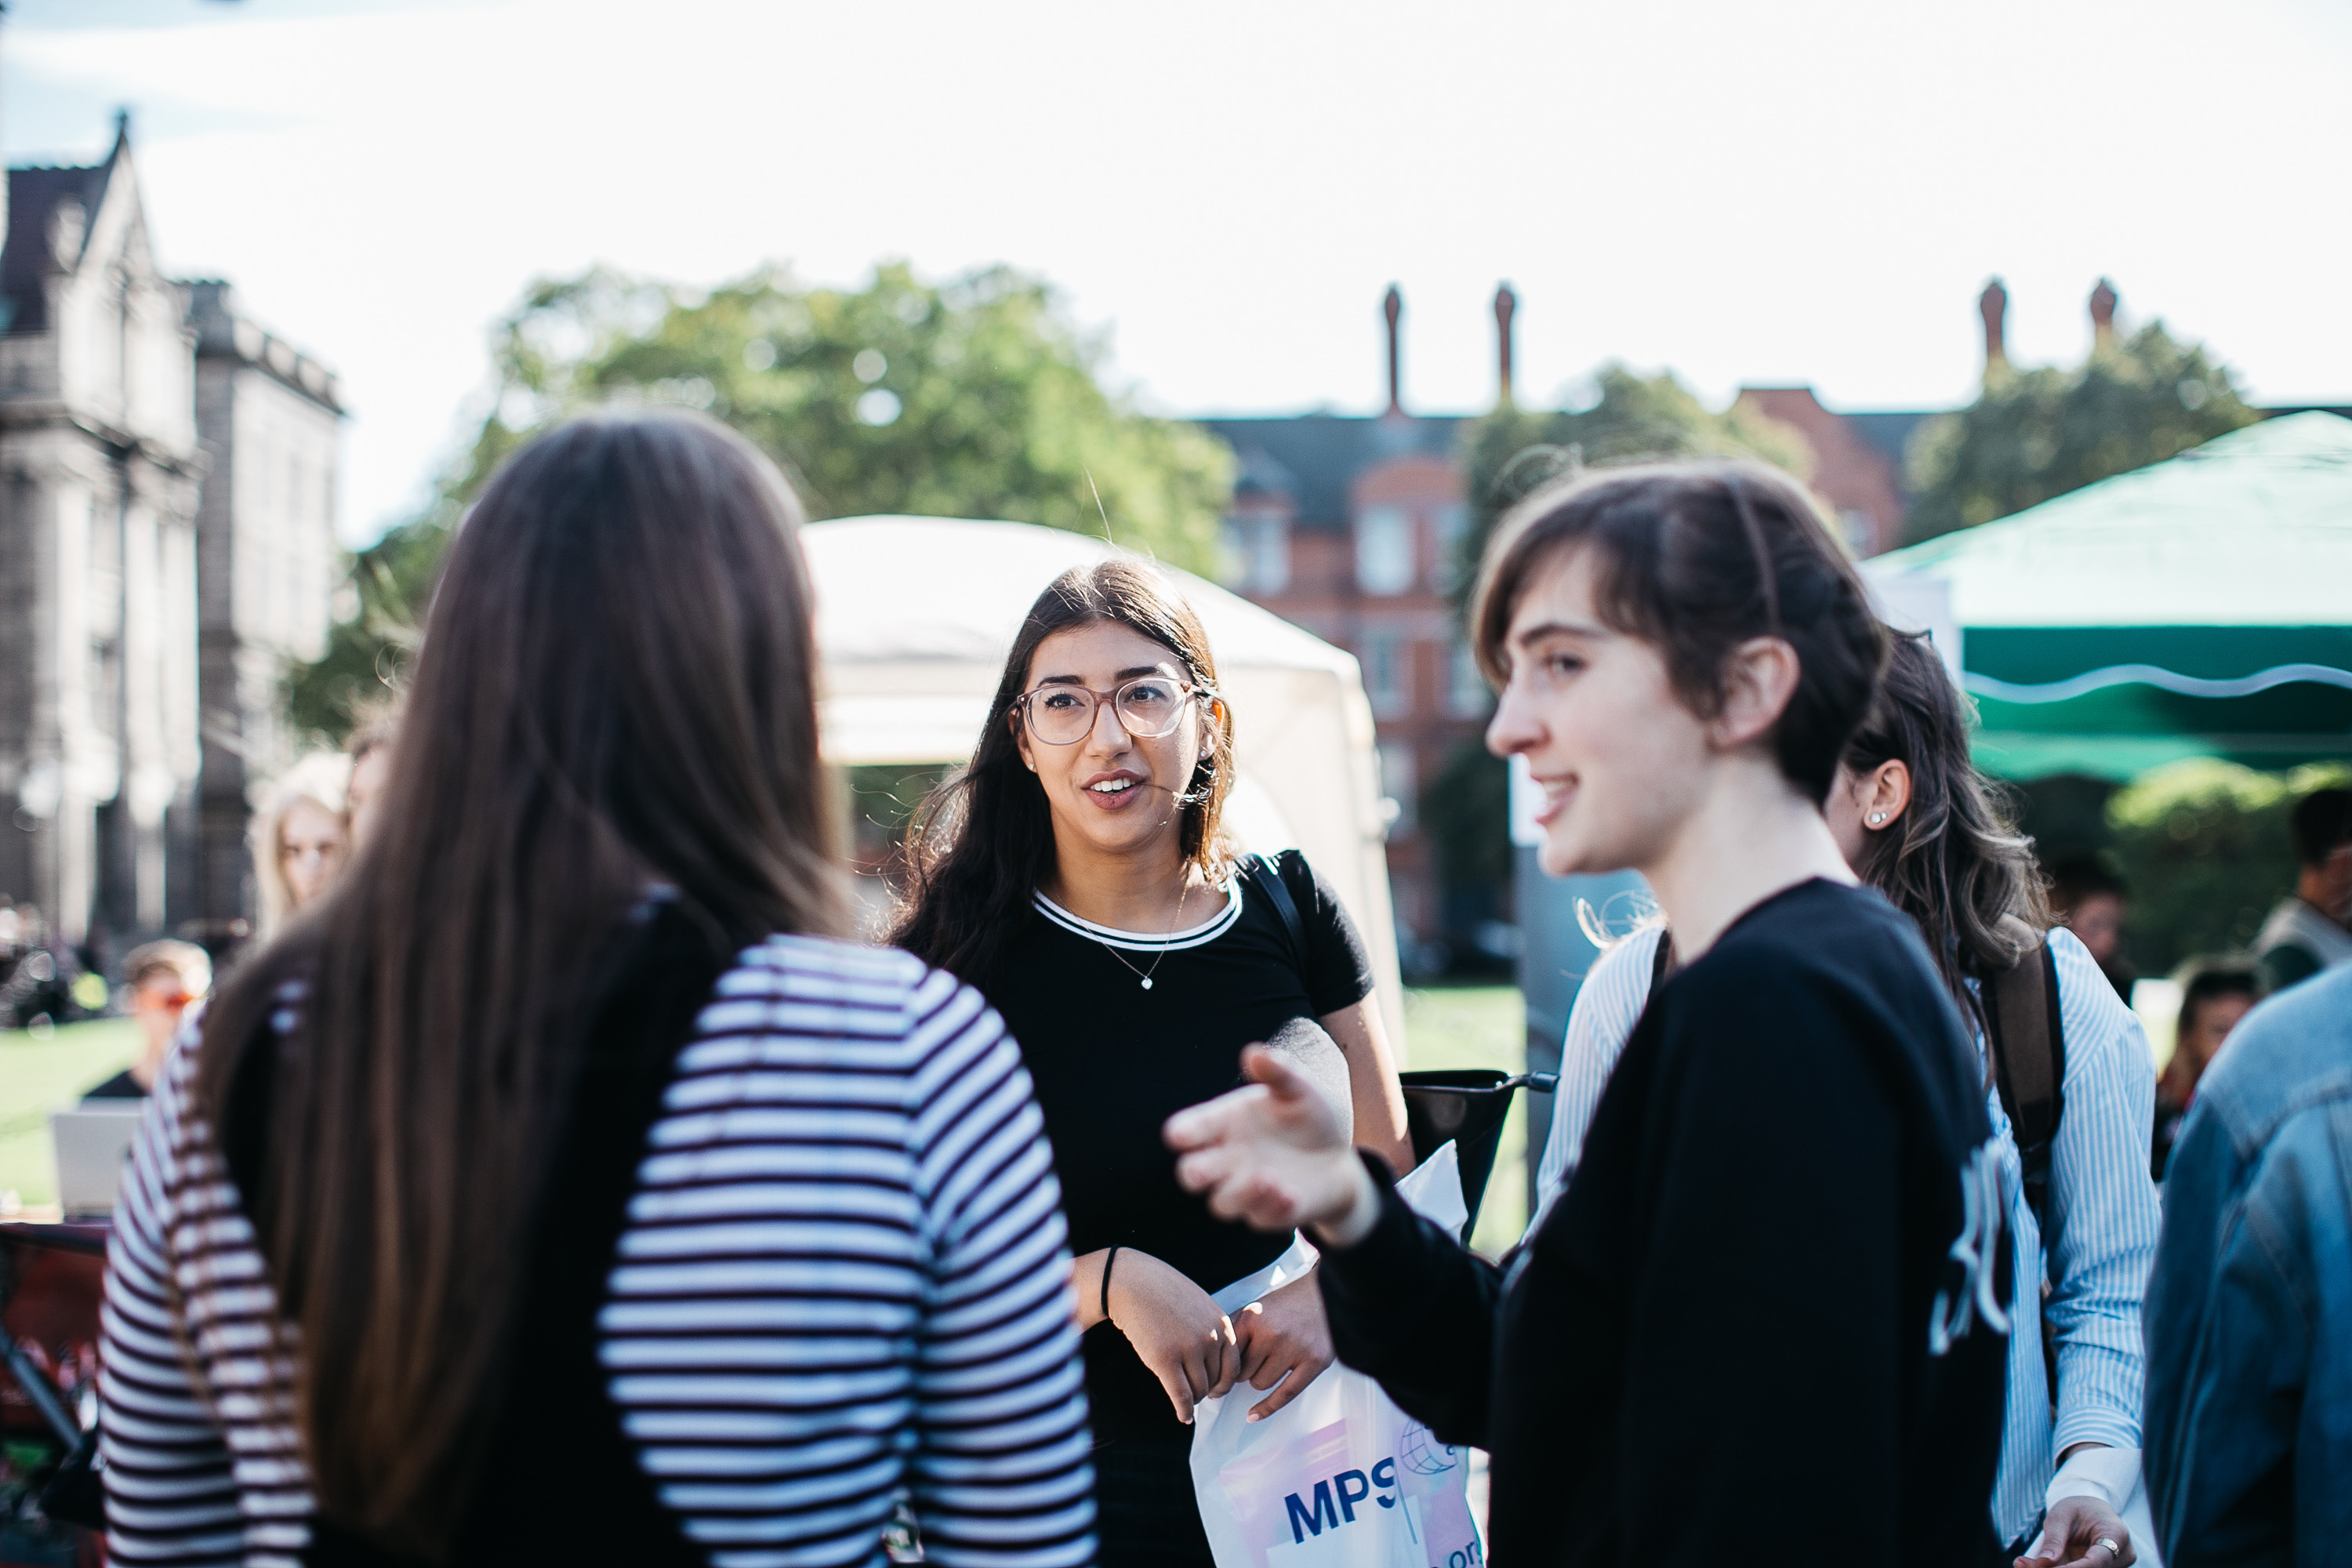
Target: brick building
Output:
[(167, 479), (1348, 526)]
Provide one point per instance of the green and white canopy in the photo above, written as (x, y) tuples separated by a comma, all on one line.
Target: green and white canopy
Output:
[(2201, 606)]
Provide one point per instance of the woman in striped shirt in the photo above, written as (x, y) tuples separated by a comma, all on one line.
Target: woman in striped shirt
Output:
[(561, 1190), (1914, 817)]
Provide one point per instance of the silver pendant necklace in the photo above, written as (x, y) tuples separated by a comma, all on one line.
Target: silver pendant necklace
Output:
[(1145, 975)]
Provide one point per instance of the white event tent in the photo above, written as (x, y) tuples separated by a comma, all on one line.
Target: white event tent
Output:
[(914, 615)]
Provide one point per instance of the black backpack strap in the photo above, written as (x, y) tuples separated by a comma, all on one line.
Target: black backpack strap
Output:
[(1662, 963), (2029, 1063), (1266, 872)]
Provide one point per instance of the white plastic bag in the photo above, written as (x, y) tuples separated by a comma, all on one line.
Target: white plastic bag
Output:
[(1340, 1477)]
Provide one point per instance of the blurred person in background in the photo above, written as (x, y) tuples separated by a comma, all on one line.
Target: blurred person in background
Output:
[(1767, 1321), (1911, 814), (2306, 932), (300, 837), (2215, 994), (370, 751), (159, 980), (562, 1189), (2250, 1308), (1078, 874), (2089, 899), (36, 990)]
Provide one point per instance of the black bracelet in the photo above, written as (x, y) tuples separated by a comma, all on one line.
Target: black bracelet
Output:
[(1108, 1258)]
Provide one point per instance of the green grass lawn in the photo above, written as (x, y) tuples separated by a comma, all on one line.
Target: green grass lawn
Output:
[(36, 1077), (1480, 1027)]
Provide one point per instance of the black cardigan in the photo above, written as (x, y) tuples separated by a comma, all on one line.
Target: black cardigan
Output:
[(1716, 1349)]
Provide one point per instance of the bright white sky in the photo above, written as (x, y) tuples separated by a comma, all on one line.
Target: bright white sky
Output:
[(1809, 191)]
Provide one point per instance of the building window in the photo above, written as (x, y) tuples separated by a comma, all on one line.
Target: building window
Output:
[(1388, 673), (1400, 782), (1384, 550), (1466, 696), (1453, 528), (1257, 552)]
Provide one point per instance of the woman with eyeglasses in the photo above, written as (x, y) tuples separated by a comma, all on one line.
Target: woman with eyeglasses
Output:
[(1077, 875)]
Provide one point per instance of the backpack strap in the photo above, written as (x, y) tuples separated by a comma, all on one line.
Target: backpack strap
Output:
[(1662, 963), (2028, 1062), (1266, 872)]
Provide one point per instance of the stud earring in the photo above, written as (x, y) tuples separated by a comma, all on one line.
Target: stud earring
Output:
[(1877, 817)]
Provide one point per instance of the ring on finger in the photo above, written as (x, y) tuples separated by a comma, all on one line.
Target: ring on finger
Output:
[(2115, 1552)]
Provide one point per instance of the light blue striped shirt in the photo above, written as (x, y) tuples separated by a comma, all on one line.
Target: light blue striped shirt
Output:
[(2103, 1209)]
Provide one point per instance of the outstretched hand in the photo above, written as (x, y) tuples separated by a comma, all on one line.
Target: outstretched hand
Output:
[(1276, 1154)]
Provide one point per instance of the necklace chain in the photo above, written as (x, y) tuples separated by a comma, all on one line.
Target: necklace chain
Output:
[(1145, 975)]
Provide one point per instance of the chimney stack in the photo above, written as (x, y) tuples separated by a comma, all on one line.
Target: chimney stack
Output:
[(1504, 303), (2102, 315), (1392, 308), (1994, 304)]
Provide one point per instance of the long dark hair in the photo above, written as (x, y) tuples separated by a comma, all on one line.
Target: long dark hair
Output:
[(1953, 861), (1696, 559), (616, 690), (983, 841)]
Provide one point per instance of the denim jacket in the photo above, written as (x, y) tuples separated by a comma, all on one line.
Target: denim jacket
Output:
[(2249, 1430)]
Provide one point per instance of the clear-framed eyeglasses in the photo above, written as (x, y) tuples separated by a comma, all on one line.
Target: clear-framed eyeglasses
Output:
[(1147, 707)]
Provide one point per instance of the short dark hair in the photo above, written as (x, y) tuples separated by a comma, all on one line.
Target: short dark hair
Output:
[(2321, 824), (1696, 559), (2080, 877), (2203, 979)]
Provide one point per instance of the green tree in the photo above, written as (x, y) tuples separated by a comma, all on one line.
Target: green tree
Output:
[(1511, 451), (1465, 812), (389, 584), (2035, 433), (978, 397)]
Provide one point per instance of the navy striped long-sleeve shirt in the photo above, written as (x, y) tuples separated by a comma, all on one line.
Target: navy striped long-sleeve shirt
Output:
[(844, 1278)]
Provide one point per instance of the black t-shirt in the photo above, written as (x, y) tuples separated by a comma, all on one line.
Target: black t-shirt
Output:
[(1112, 1060), (1722, 1343)]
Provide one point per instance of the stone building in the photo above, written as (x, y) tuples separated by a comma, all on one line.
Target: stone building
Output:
[(166, 484), (268, 421)]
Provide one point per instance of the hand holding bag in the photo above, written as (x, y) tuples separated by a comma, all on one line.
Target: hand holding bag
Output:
[(1340, 1477)]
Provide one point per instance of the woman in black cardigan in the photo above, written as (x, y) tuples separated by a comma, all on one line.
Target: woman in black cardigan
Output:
[(1765, 1322)]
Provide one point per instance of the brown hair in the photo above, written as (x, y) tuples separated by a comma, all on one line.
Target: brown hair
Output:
[(1953, 861), (616, 690), (982, 842), (1696, 559)]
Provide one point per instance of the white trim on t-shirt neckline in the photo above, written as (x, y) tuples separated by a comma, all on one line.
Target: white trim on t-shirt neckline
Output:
[(1144, 941)]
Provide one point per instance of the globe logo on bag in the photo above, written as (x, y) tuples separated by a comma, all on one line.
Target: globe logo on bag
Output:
[(1424, 1455)]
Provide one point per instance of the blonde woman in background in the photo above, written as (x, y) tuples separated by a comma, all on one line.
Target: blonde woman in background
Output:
[(301, 836)]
